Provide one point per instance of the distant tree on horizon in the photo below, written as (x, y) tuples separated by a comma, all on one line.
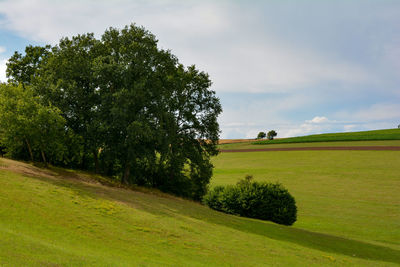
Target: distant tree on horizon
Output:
[(261, 135), (271, 134)]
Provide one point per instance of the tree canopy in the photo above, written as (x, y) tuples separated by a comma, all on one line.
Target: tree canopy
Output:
[(24, 121), (261, 135), (126, 108), (271, 134)]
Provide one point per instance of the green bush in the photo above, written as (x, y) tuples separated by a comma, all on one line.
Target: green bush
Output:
[(261, 200)]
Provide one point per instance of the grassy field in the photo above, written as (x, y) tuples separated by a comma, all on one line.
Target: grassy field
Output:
[(389, 134), (351, 194), (252, 145), (64, 218)]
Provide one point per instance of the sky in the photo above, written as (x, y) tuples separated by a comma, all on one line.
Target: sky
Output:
[(296, 67)]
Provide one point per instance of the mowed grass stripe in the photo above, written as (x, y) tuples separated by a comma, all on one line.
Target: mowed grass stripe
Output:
[(373, 148), (250, 145), (388, 134)]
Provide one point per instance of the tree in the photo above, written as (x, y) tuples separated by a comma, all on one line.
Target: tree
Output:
[(261, 135), (160, 118), (2, 147), (271, 134), (25, 122), (62, 75), (67, 81), (131, 110)]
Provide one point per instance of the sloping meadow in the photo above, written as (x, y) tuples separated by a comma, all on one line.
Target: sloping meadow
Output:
[(62, 217)]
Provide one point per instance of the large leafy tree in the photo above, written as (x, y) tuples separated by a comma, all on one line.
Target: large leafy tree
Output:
[(160, 117), (141, 115)]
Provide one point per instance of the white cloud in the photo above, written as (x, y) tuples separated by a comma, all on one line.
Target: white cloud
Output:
[(349, 127), (46, 20), (306, 129), (377, 116), (271, 65), (374, 113), (318, 119), (216, 36), (3, 70), (317, 125), (2, 65), (248, 117)]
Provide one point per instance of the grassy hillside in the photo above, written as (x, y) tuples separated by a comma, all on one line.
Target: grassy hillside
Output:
[(65, 218), (389, 134)]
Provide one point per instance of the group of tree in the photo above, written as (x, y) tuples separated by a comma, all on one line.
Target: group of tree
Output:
[(118, 105), (270, 135)]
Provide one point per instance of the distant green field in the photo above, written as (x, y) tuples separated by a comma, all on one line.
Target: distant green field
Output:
[(251, 145), (389, 134), (53, 218), (352, 194)]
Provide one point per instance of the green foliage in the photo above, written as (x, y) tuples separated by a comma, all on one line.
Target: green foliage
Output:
[(389, 134), (130, 109), (26, 123), (247, 198), (261, 135), (23, 69), (271, 134)]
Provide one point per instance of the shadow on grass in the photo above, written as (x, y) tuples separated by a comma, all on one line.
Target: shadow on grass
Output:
[(319, 241), (175, 207), (314, 240)]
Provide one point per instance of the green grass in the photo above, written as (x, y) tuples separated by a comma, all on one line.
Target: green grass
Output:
[(389, 134), (251, 145), (62, 218), (351, 194)]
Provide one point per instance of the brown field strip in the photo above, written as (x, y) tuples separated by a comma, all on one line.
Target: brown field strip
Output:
[(234, 141), (390, 148)]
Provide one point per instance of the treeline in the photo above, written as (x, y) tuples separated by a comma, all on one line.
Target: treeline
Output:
[(118, 105)]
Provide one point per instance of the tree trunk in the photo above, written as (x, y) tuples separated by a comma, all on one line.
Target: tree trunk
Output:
[(96, 161), (84, 156), (127, 172), (29, 148), (43, 157), (83, 163)]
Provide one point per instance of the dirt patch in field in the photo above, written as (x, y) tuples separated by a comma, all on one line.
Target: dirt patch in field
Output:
[(31, 170), (25, 168), (59, 174), (390, 148)]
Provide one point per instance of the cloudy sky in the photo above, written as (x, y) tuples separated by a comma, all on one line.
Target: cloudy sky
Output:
[(298, 67)]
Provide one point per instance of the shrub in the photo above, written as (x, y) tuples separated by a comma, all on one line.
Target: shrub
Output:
[(212, 198), (260, 200)]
